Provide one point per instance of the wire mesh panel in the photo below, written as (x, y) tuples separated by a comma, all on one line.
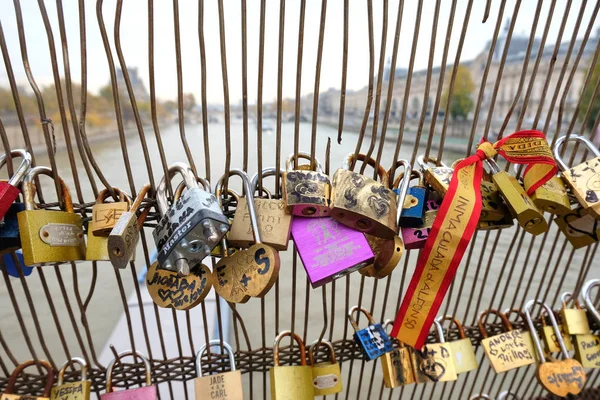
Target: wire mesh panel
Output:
[(110, 93)]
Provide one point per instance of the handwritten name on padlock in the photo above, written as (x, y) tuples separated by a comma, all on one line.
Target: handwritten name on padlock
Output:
[(562, 377), (169, 289), (507, 350)]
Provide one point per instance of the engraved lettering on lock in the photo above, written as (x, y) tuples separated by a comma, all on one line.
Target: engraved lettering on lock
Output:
[(325, 381), (61, 235)]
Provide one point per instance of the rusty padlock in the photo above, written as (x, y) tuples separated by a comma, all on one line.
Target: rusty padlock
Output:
[(327, 377), (9, 392), (291, 382)]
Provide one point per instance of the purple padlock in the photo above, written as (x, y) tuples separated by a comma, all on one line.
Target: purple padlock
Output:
[(328, 249), (415, 238)]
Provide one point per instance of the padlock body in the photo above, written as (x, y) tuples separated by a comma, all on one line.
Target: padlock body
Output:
[(433, 364), (224, 386), (169, 289), (415, 238), (181, 233), (291, 383), (328, 249), (438, 178), (551, 342), (8, 194), (413, 210), (22, 397), (142, 393), (363, 204), (528, 341), (587, 350), (373, 342), (123, 240), (519, 203), (10, 239), (463, 355), (584, 181), (507, 351), (49, 237), (327, 378), (274, 224), (492, 206), (397, 368), (306, 193), (504, 223), (97, 249), (580, 227), (387, 256), (72, 391), (575, 321), (552, 197), (12, 267), (105, 216)]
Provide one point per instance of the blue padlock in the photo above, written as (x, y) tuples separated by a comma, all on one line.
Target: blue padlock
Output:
[(9, 229), (373, 340), (413, 210), (12, 268)]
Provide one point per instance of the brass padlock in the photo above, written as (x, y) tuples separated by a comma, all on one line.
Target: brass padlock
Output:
[(124, 237), (147, 392), (504, 223), (9, 392), (327, 377), (438, 177), (103, 218), (224, 385), (463, 352), (305, 191), (291, 382), (274, 222), (397, 364), (587, 347), (524, 332), (520, 205), (49, 237), (550, 340), (573, 319), (79, 390), (583, 179), (580, 227), (434, 363), (551, 197), (507, 350)]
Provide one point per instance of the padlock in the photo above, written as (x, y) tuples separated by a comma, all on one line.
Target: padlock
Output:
[(373, 341), (397, 364), (524, 332), (147, 392), (248, 272), (589, 304), (12, 381), (9, 191), (415, 238), (224, 385), (559, 377), (507, 350), (587, 347), (520, 205), (583, 179), (191, 227), (413, 206), (580, 227), (362, 203), (13, 262), (49, 237), (438, 177), (10, 240), (463, 352), (550, 339), (97, 245), (434, 363), (306, 192), (327, 377), (504, 223), (291, 382), (274, 222), (508, 395), (124, 237), (551, 197), (79, 390), (574, 320)]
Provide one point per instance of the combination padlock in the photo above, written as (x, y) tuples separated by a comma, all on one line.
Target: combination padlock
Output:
[(147, 392), (362, 203), (579, 227), (397, 364), (551, 344), (9, 392), (9, 191), (373, 341), (291, 382), (49, 237), (305, 192), (189, 229), (327, 376), (438, 177), (587, 347), (463, 352), (583, 179), (78, 390), (575, 319), (224, 385)]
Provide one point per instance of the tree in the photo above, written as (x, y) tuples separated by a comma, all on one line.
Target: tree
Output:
[(587, 99), (461, 103)]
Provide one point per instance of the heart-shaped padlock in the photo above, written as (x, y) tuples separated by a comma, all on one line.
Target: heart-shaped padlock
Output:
[(169, 289)]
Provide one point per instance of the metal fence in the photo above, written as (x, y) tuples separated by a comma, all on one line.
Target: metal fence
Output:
[(51, 314)]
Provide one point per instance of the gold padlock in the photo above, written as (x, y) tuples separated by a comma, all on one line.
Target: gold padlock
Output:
[(291, 382), (580, 227), (504, 223), (573, 319), (583, 179), (9, 392), (327, 377), (587, 347), (306, 192), (463, 352), (524, 332), (397, 364), (435, 362), (79, 390), (551, 197), (520, 205), (507, 350), (550, 340), (224, 385), (49, 237), (438, 177)]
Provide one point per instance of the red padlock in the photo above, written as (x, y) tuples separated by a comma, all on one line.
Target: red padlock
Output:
[(147, 392), (9, 191)]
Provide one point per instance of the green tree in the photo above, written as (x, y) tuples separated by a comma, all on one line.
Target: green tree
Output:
[(587, 99), (461, 103)]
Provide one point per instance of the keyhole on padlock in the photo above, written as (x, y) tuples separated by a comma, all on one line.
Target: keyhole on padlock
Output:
[(363, 224), (309, 211), (118, 252), (533, 222)]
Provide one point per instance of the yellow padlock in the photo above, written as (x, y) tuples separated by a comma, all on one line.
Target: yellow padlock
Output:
[(327, 377), (587, 347), (397, 364), (435, 362), (573, 319), (462, 349), (524, 332), (550, 340), (79, 390), (291, 382), (12, 381), (225, 385)]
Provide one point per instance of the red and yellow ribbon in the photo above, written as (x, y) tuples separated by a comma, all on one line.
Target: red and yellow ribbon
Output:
[(455, 224)]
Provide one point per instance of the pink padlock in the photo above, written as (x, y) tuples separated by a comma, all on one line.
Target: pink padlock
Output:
[(147, 392), (328, 249), (415, 238)]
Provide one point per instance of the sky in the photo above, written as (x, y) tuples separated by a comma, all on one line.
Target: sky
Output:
[(134, 40)]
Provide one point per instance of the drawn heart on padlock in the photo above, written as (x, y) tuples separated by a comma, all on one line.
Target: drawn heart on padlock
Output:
[(168, 289), (380, 206), (583, 221), (562, 377)]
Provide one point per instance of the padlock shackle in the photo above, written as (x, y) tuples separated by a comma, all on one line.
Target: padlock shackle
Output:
[(272, 171), (247, 186), (12, 380), (575, 138), (480, 396), (63, 369), (214, 343), (423, 163), (180, 188), (315, 165), (439, 330), (105, 194), (461, 330), (161, 191), (138, 202), (384, 178), (28, 189), (505, 322), (567, 297), (587, 298), (298, 340), (315, 346), (534, 336), (493, 166), (543, 316), (111, 365), (504, 395), (23, 167), (353, 321)]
